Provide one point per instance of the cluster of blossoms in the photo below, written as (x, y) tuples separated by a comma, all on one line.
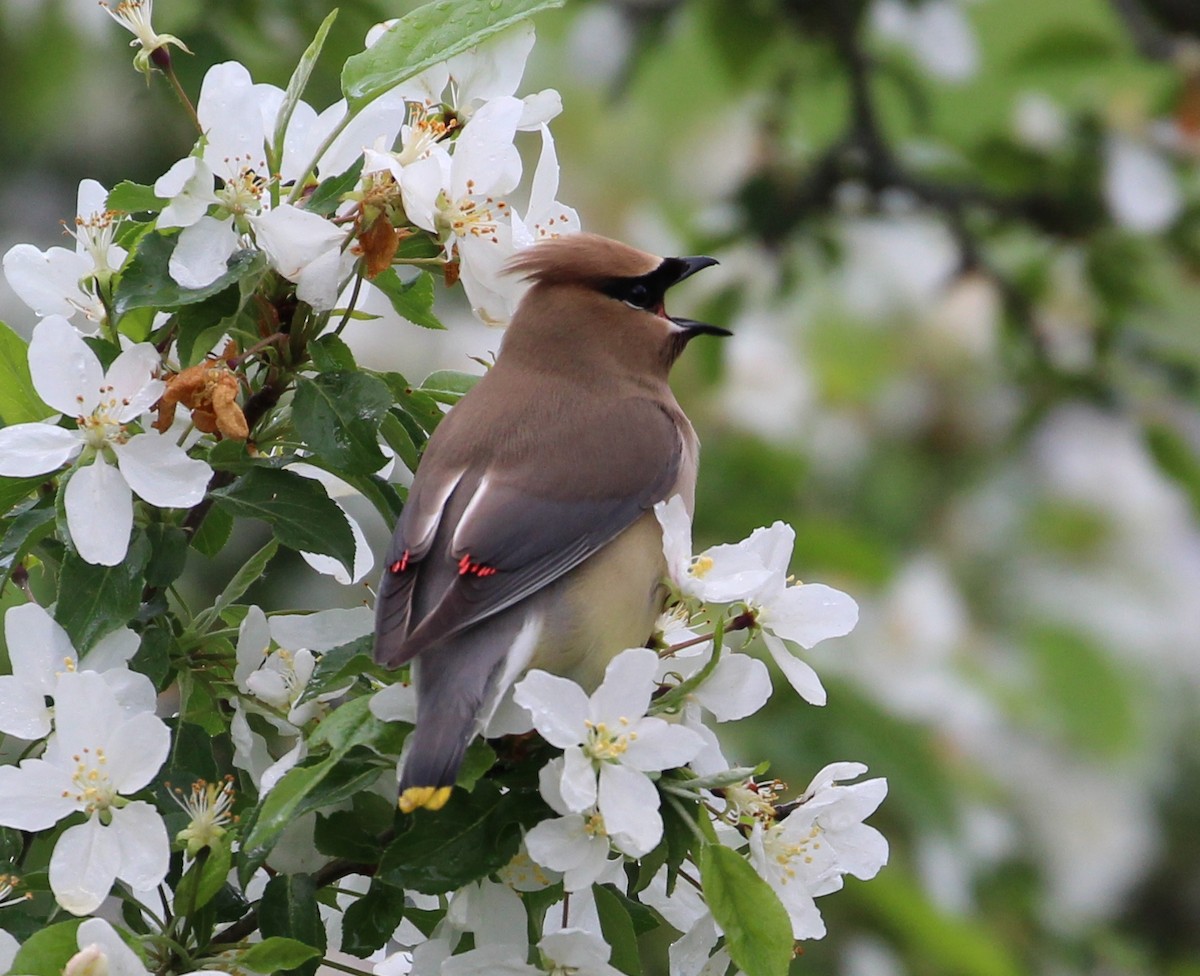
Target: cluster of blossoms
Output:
[(126, 444)]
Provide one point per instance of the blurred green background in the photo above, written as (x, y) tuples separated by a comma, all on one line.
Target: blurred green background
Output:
[(959, 245)]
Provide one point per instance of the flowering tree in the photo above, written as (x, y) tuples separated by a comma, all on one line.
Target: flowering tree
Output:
[(213, 788)]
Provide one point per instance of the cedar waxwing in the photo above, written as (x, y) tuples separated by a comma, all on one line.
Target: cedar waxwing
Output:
[(529, 537)]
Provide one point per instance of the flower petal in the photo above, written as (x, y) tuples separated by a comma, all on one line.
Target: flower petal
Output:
[(809, 613), (132, 382), (111, 651), (160, 471), (37, 646), (84, 866), (32, 449), (31, 796), (558, 707), (145, 847), (738, 686), (99, 513), (122, 961), (65, 372), (628, 684), (23, 710), (800, 676), (660, 745), (629, 803), (577, 786), (48, 282), (202, 254), (136, 751)]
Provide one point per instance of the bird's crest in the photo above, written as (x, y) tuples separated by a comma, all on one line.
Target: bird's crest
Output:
[(580, 258)]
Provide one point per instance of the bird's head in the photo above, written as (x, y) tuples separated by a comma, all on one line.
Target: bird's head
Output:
[(591, 294)]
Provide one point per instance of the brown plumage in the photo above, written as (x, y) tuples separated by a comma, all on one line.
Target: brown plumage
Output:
[(528, 538)]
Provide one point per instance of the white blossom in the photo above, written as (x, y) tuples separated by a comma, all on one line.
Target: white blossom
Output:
[(610, 745), (98, 754), (104, 403)]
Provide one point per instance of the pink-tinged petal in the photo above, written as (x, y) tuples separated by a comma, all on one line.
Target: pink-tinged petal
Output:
[(31, 796), (577, 787), (84, 866), (122, 961), (65, 372), (32, 449), (38, 648), (809, 613), (23, 710), (48, 282), (738, 686), (131, 377), (626, 689), (203, 251), (136, 751), (661, 745), (558, 707), (145, 847), (799, 675), (160, 471), (629, 802), (99, 513)]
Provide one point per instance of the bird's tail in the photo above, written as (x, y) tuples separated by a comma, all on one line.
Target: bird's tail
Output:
[(455, 681)]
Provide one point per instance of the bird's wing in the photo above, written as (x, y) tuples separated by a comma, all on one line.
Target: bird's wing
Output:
[(505, 539)]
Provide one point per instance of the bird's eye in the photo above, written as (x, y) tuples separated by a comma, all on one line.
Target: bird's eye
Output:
[(638, 295)]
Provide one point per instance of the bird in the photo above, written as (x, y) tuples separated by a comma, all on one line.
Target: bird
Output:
[(528, 538)]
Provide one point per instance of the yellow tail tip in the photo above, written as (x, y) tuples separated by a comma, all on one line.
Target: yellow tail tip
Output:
[(429, 797)]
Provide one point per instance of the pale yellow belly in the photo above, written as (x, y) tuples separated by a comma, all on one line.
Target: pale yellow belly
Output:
[(607, 604)]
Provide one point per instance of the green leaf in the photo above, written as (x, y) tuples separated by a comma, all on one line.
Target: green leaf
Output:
[(449, 385), (617, 928), (421, 407), (758, 932), (15, 490), (96, 600), (397, 437), (147, 283), (299, 512), (338, 415), (277, 953), (426, 36), (412, 300), (250, 573), (46, 952), (326, 198), (129, 197), (214, 532), (354, 834), (199, 325), (473, 835), (352, 724), (289, 909), (23, 533), (277, 810), (298, 82), (168, 554), (206, 877), (338, 666), (19, 402), (330, 353), (369, 922)]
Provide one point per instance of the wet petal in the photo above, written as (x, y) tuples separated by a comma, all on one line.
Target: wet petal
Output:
[(65, 372), (99, 513), (160, 471)]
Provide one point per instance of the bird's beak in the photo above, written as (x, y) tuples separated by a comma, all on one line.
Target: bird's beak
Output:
[(687, 268)]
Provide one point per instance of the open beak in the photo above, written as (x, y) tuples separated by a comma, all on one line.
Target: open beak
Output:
[(688, 267)]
